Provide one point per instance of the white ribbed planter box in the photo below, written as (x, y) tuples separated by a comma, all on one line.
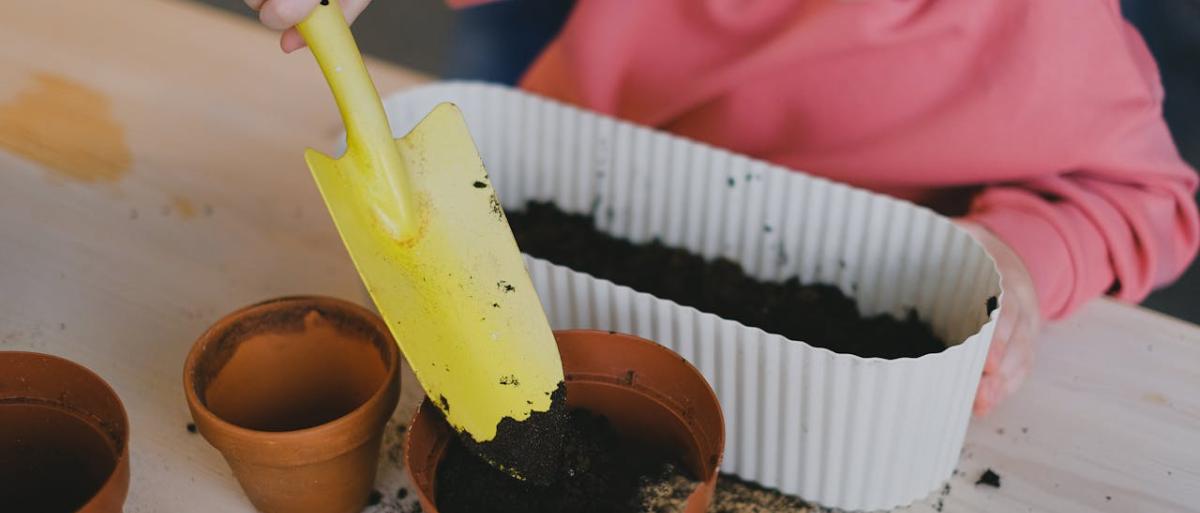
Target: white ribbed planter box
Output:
[(844, 431)]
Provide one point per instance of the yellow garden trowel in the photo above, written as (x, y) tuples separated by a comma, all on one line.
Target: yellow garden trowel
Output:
[(422, 223)]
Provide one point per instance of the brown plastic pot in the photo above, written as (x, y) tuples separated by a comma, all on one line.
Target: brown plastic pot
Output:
[(64, 438), (646, 391), (295, 393)]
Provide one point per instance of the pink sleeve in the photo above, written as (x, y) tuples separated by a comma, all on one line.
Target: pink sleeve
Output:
[(1123, 224)]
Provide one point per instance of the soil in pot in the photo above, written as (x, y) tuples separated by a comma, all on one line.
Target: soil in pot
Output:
[(820, 315), (601, 472), (52, 460)]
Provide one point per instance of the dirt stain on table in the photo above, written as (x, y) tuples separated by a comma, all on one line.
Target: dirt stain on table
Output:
[(183, 206), (66, 127), (1156, 398)]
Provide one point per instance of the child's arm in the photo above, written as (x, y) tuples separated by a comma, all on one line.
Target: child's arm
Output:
[(1123, 222)]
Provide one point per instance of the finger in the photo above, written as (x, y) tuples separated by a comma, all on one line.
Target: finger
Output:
[(1016, 367), (992, 385), (994, 388), (283, 14), (995, 356), (291, 40), (1005, 326), (986, 395), (254, 4)]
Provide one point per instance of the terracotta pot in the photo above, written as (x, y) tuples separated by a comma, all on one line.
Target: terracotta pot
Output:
[(64, 438), (295, 393), (646, 391)]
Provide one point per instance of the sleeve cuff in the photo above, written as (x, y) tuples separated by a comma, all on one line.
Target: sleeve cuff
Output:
[(1041, 247)]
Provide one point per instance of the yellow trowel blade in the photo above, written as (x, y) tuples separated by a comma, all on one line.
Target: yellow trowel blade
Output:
[(422, 223)]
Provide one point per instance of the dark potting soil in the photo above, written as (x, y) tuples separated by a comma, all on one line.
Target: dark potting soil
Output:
[(514, 439), (989, 478), (601, 472), (820, 315)]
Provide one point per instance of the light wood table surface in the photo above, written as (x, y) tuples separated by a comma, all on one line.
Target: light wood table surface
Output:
[(151, 179)]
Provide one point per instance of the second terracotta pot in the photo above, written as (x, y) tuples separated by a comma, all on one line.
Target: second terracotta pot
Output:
[(646, 391), (64, 438), (295, 393)]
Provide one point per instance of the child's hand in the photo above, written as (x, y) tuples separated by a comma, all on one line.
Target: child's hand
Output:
[(1011, 354), (285, 14)]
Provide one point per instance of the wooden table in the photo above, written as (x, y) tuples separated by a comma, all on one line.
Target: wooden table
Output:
[(151, 180)]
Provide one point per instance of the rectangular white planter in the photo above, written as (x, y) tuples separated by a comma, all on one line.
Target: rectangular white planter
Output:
[(840, 430)]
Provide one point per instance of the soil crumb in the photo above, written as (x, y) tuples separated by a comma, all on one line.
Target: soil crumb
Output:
[(820, 315), (600, 472), (989, 478)]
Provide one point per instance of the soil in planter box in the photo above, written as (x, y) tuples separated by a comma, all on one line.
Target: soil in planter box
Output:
[(820, 315), (601, 473)]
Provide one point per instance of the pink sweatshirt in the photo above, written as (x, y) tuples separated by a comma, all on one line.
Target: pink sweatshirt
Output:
[(1039, 119)]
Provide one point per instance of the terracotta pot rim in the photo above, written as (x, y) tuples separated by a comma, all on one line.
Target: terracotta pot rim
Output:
[(233, 430), (123, 443), (648, 343), (650, 393), (121, 461)]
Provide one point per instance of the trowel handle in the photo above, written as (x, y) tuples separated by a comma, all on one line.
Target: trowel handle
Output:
[(328, 36), (372, 162)]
